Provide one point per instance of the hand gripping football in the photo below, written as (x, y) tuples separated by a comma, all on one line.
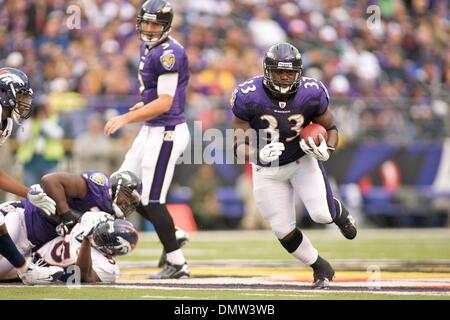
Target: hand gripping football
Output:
[(313, 130)]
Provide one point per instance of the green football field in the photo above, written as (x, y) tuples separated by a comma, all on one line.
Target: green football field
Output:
[(252, 265)]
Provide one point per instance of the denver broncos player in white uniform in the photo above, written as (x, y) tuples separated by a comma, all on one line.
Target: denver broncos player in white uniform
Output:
[(16, 105), (74, 194), (164, 76), (278, 105), (91, 245)]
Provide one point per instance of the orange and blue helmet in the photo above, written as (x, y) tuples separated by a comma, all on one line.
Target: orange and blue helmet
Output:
[(15, 94), (115, 237)]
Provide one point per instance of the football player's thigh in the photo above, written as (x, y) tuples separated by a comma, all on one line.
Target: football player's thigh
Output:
[(275, 201), (15, 223), (312, 186), (155, 150), (180, 142), (134, 156)]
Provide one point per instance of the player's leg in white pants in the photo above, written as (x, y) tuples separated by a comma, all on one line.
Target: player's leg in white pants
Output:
[(153, 157), (311, 185), (155, 153), (274, 196), (15, 223)]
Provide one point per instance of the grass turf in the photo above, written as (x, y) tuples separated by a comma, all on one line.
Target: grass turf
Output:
[(417, 245)]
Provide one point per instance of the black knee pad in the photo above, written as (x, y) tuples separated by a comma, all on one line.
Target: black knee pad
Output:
[(161, 219), (292, 241)]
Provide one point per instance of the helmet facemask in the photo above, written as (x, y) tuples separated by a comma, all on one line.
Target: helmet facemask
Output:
[(23, 107), (150, 37), (282, 80), (125, 201), (125, 189)]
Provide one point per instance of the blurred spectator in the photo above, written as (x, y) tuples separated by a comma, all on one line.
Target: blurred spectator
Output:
[(205, 207), (92, 149), (266, 32), (410, 44), (41, 146), (121, 144)]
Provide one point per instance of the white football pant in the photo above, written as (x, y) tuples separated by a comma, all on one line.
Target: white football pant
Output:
[(153, 157), (274, 190)]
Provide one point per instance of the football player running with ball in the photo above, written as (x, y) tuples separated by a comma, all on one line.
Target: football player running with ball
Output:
[(164, 76), (15, 106), (277, 106)]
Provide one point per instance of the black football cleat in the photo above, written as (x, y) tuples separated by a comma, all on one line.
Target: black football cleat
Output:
[(348, 227), (172, 271), (345, 221), (323, 274), (182, 239)]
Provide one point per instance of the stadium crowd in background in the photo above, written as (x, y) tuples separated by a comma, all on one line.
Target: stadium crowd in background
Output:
[(406, 55), (399, 64)]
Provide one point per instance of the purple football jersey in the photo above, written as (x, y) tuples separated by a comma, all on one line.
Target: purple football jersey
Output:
[(41, 229), (97, 196), (251, 102), (167, 57)]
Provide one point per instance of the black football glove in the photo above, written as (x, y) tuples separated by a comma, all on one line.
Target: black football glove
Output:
[(68, 221)]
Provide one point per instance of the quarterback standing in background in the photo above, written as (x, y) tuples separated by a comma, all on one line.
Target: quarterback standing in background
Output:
[(16, 103), (164, 76), (280, 104)]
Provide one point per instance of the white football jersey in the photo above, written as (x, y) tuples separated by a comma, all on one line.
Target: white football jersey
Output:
[(63, 252)]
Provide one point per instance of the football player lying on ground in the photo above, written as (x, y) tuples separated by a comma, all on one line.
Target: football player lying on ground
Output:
[(91, 245), (75, 193), (31, 227), (16, 98)]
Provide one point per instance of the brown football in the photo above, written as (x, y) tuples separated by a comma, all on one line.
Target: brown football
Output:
[(313, 130)]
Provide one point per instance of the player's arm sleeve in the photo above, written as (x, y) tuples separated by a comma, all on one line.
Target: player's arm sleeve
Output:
[(324, 99), (59, 186), (238, 106), (167, 83), (107, 270)]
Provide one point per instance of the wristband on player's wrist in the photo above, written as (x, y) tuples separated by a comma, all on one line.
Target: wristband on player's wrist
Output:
[(70, 216)]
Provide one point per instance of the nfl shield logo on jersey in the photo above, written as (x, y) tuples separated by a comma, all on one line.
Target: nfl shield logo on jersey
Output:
[(168, 60), (282, 104)]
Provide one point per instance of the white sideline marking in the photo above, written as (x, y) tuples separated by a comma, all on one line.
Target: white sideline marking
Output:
[(330, 290), (167, 297), (279, 295)]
